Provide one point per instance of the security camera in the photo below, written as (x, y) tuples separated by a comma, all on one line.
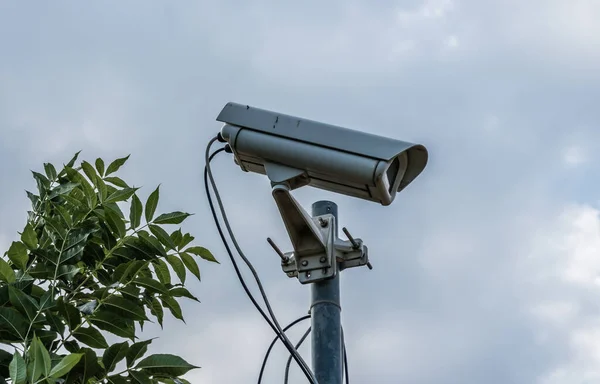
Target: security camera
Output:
[(300, 152)]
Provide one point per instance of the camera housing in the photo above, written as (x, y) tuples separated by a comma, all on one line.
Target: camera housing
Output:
[(302, 152)]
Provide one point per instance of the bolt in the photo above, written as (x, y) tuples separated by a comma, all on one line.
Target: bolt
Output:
[(304, 263), (323, 259), (323, 222)]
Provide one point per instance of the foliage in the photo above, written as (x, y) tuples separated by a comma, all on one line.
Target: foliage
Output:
[(81, 269)]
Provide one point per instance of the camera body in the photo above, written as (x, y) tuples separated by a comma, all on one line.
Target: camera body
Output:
[(305, 152)]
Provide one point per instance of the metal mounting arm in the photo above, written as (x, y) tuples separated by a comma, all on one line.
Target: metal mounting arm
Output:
[(312, 239)]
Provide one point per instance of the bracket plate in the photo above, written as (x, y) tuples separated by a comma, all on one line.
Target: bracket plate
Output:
[(314, 266)]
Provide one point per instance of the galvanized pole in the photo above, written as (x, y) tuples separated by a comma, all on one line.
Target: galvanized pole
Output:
[(326, 310)]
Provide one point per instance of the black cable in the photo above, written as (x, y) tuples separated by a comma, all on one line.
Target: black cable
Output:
[(274, 325), (264, 364), (289, 360), (346, 375), (298, 358)]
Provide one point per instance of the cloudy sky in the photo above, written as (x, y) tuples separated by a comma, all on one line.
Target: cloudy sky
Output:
[(487, 268)]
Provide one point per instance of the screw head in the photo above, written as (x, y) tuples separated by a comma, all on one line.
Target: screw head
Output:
[(323, 222), (323, 259), (304, 263)]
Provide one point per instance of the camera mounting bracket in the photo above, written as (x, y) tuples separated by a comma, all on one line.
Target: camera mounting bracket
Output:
[(318, 253)]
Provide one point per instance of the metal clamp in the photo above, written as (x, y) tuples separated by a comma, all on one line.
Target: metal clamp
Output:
[(310, 264)]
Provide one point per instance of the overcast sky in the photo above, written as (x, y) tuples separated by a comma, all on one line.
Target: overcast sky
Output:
[(486, 268)]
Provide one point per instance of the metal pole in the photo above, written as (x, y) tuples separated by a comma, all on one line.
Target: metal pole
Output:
[(326, 310)]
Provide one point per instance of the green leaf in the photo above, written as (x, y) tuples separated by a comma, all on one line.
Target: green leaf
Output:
[(65, 365), (77, 236), (73, 159), (89, 171), (54, 229), (62, 189), (150, 284), (115, 165), (13, 324), (164, 364), (42, 182), (6, 272), (115, 223), (116, 181), (55, 322), (182, 292), (114, 207), (29, 237), (72, 254), (100, 166), (152, 242), (125, 307), (17, 253), (117, 380), (121, 195), (66, 216), (136, 351), (171, 218), (42, 271), (162, 236), (176, 237), (113, 355), (34, 200), (102, 189), (162, 271), (5, 359), (135, 212), (143, 249), (87, 367), (18, 370), (50, 171), (68, 272), (190, 263), (72, 346), (203, 253), (151, 204), (69, 313), (113, 323), (128, 271), (131, 291), (157, 310), (173, 305), (140, 377), (23, 302), (46, 337), (187, 238), (47, 301), (178, 267), (88, 191), (39, 360), (90, 336)]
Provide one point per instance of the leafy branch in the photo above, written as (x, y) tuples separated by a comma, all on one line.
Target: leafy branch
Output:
[(81, 269)]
